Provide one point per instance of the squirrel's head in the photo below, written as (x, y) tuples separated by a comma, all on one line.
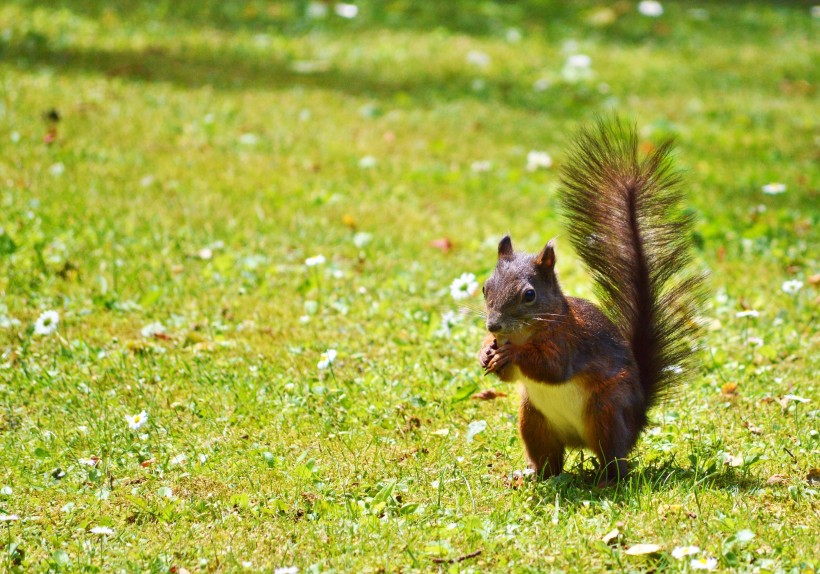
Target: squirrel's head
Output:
[(523, 294)]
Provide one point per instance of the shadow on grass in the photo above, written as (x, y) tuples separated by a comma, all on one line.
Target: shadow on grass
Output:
[(580, 484), (553, 18), (228, 70)]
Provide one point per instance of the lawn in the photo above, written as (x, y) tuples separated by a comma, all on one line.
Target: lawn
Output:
[(211, 195)]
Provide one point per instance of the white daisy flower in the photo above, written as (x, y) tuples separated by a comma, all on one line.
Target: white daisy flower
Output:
[(704, 563), (367, 162), (463, 287), (774, 188), (6, 491), (478, 59), (327, 359), (747, 313), (481, 166), (317, 10), (538, 160), (682, 551), (578, 67), (151, 330), (346, 10), (102, 531), (315, 260), (46, 323), (8, 517), (286, 570), (136, 422), (792, 286), (650, 8)]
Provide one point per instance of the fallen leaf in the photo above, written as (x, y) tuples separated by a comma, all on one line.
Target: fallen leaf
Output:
[(611, 536), (488, 395), (814, 280), (754, 429), (147, 463), (643, 549), (814, 477), (777, 479), (729, 389), (443, 243)]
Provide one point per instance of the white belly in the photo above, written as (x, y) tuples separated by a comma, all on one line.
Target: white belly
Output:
[(562, 405)]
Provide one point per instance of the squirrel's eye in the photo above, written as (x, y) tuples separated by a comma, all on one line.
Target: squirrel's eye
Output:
[(529, 295)]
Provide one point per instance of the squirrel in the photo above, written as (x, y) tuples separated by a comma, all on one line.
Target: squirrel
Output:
[(589, 375)]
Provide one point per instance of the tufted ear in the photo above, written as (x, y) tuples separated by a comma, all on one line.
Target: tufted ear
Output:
[(546, 259), (505, 248)]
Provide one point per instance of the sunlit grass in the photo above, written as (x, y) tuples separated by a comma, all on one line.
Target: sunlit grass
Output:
[(205, 152)]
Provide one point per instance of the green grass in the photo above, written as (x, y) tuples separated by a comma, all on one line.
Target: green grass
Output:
[(187, 126)]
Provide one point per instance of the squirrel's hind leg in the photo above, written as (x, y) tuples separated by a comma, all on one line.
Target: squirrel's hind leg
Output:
[(545, 451), (614, 422)]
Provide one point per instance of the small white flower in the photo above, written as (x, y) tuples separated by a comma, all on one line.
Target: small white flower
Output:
[(6, 491), (46, 323), (93, 461), (682, 551), (774, 188), (315, 260), (249, 139), (478, 59), (8, 517), (650, 8), (57, 169), (704, 563), (481, 166), (102, 531), (286, 570), (367, 162), (792, 286), (474, 428), (317, 10), (754, 342), (346, 10), (538, 160), (181, 458), (152, 330), (361, 239), (136, 422), (577, 67), (513, 35), (541, 84), (327, 359), (463, 287), (747, 313)]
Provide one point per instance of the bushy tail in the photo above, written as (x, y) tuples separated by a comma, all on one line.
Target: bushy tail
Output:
[(625, 221)]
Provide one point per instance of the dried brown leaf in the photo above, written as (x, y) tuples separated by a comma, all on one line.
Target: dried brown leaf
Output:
[(488, 395)]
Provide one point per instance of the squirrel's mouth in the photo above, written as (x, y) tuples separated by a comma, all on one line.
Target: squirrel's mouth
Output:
[(517, 337)]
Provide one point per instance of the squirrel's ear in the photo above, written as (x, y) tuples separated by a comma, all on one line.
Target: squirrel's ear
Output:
[(546, 259), (505, 248)]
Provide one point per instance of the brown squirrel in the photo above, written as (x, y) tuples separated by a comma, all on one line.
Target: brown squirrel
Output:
[(589, 375)]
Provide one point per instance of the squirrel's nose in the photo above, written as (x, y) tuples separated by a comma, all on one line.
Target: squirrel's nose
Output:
[(493, 326)]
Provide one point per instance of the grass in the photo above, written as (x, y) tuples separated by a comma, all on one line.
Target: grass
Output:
[(205, 150)]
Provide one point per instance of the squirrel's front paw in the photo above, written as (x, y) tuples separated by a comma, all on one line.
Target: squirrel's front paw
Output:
[(500, 358), (486, 353)]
